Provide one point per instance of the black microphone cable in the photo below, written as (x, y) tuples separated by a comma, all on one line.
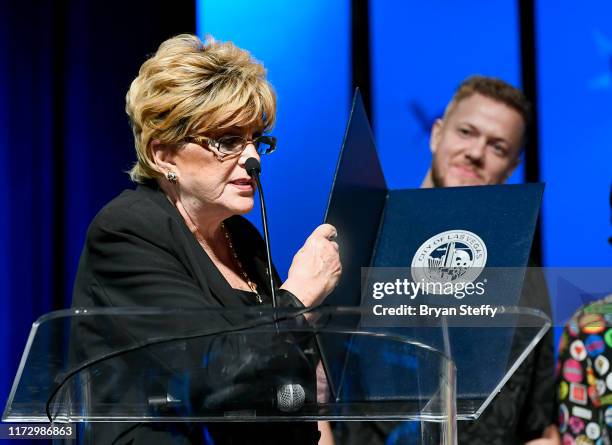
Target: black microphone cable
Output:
[(253, 169)]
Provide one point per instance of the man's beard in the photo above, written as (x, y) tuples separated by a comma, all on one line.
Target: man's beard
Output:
[(438, 179)]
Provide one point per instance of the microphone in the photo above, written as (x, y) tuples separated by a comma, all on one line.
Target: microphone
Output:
[(290, 397), (253, 169), (287, 398)]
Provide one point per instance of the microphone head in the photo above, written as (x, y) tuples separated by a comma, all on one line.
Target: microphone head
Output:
[(252, 166), (290, 397)]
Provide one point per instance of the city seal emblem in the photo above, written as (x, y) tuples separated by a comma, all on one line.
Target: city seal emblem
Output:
[(454, 256)]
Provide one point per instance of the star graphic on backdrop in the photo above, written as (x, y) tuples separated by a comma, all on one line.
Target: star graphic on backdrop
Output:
[(604, 47), (423, 119)]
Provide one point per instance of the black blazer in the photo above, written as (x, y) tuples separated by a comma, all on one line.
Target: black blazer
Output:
[(139, 252)]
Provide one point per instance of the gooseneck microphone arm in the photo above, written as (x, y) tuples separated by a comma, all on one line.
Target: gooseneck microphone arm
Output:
[(254, 169)]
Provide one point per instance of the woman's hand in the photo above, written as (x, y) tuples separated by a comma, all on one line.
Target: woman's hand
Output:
[(316, 267)]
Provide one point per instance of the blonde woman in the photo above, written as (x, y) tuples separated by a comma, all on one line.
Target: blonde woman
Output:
[(198, 111)]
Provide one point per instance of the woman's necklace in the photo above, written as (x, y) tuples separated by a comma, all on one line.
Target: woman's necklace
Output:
[(251, 285)]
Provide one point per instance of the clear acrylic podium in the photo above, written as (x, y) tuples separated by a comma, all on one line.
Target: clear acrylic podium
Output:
[(153, 365)]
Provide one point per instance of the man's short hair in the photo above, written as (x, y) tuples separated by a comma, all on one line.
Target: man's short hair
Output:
[(495, 89)]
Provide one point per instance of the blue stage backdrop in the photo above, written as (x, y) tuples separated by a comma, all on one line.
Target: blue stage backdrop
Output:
[(575, 115), (306, 49), (420, 53), (5, 276), (65, 142), (27, 216)]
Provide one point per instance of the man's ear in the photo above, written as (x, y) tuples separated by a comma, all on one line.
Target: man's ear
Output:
[(163, 156), (436, 134)]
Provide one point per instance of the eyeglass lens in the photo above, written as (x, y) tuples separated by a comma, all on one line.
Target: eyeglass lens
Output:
[(235, 144)]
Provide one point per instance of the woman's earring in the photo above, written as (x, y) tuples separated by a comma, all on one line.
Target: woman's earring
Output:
[(171, 176)]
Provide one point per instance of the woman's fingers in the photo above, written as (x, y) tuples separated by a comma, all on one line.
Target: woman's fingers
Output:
[(326, 231), (316, 267)]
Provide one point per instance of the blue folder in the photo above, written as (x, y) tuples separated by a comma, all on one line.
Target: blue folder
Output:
[(383, 228)]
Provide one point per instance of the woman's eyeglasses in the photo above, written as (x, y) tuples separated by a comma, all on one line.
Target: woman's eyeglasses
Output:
[(234, 145)]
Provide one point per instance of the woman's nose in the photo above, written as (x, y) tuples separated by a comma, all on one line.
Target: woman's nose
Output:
[(249, 152)]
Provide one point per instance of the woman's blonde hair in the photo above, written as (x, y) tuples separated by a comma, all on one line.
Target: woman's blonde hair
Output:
[(192, 87)]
